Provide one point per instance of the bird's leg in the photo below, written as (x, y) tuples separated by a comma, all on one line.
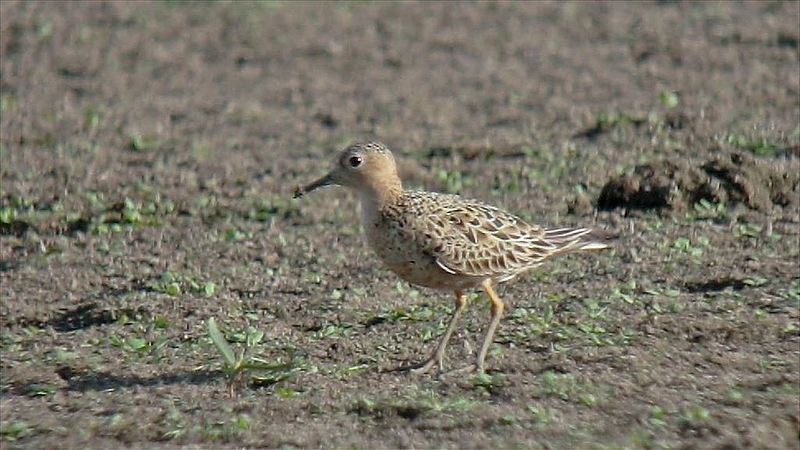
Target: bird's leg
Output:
[(437, 357), (497, 312)]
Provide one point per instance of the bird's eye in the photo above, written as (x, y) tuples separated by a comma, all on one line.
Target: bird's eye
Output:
[(354, 161)]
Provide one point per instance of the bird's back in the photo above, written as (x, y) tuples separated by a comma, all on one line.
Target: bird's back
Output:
[(464, 239)]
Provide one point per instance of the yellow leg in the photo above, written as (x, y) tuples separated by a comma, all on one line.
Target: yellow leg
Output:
[(437, 357), (497, 312)]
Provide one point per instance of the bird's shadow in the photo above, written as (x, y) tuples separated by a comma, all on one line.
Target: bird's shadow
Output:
[(86, 381), (99, 381)]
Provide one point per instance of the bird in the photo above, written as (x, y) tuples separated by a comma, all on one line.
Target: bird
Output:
[(444, 241)]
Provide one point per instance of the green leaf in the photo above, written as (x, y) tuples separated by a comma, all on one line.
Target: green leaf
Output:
[(669, 99), (682, 243), (161, 322), (755, 281), (137, 343), (219, 341), (173, 289), (15, 430), (7, 214), (243, 422), (209, 288), (254, 337), (672, 293), (285, 392)]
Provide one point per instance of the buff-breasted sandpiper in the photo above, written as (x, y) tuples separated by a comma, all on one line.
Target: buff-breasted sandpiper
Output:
[(444, 241)]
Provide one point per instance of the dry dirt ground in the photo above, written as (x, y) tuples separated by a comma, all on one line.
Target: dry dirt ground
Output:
[(149, 151)]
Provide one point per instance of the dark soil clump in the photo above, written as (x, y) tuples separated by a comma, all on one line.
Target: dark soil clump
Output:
[(758, 183)]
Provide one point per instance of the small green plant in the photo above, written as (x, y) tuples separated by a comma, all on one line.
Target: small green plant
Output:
[(138, 345), (235, 235), (238, 367), (142, 143), (541, 415), (264, 209), (557, 385), (734, 396), (511, 181), (695, 249), (126, 214), (44, 30), (626, 293), (412, 405), (747, 230), (487, 382), (755, 281), (7, 214), (452, 181), (7, 103), (669, 98), (758, 146), (706, 209), (606, 122), (15, 430), (91, 119), (792, 292), (695, 417), (658, 416), (568, 388), (174, 285), (199, 150), (40, 390)]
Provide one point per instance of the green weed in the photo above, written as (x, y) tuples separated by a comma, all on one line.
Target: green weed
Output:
[(759, 146), (607, 122), (137, 344), (11, 431), (695, 417), (91, 119), (238, 367), (705, 209), (412, 405), (8, 103), (747, 230), (453, 181), (175, 285), (143, 142), (658, 416), (488, 382), (333, 331), (541, 415), (669, 99), (687, 246), (40, 390), (264, 209), (568, 388)]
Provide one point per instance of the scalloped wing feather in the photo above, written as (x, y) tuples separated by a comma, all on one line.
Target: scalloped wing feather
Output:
[(473, 239)]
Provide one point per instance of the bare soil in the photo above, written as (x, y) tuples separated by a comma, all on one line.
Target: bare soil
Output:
[(149, 152)]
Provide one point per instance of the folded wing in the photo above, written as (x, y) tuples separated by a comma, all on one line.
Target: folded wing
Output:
[(483, 241)]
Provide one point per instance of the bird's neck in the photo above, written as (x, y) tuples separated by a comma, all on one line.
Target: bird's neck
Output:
[(382, 192), (374, 200)]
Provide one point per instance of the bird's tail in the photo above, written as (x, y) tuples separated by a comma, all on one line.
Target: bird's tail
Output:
[(568, 240)]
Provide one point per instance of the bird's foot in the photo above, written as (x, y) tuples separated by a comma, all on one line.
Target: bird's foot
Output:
[(472, 368), (420, 368), (424, 367)]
